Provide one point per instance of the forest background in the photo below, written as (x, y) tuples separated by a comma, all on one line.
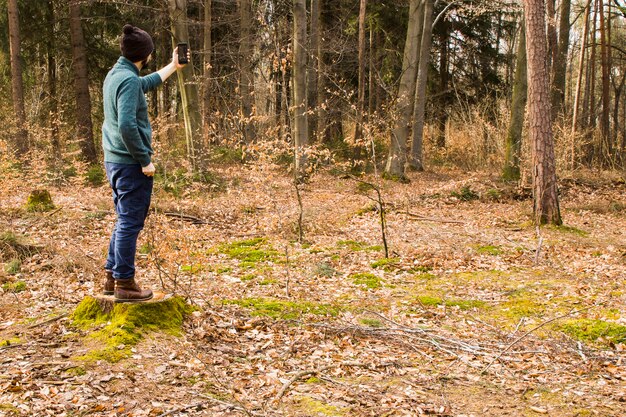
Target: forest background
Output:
[(350, 194)]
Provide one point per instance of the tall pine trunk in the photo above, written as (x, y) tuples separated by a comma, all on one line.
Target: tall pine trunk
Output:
[(300, 131), (406, 92), (246, 78), (546, 203), (559, 68), (511, 169), (17, 86), (188, 88), (206, 65), (358, 131), (53, 106), (605, 147), (581, 67), (81, 85), (312, 68), (416, 161)]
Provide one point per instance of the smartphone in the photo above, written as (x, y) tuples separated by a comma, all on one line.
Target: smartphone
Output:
[(183, 48)]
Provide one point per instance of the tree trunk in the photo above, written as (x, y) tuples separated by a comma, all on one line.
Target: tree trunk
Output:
[(314, 39), (444, 78), (552, 35), (81, 85), (416, 161), (546, 204), (53, 114), (17, 86), (358, 131), (207, 90), (579, 77), (246, 80), (322, 114), (301, 134), (605, 147), (188, 88), (559, 67), (406, 94), (511, 169)]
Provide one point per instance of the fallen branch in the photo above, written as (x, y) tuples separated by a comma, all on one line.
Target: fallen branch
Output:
[(419, 217), (185, 217), (52, 320)]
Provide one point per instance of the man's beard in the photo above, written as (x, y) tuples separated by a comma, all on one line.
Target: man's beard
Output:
[(144, 64)]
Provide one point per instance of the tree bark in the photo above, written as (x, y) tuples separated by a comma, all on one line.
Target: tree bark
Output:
[(312, 68), (416, 161), (246, 80), (301, 134), (406, 94), (553, 44), (511, 169), (17, 86), (358, 131), (322, 115), (546, 204), (206, 65), (53, 114), (579, 77), (188, 89), (605, 148), (559, 67), (81, 85)]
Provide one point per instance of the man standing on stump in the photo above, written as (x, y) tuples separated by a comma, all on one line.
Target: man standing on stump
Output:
[(127, 145)]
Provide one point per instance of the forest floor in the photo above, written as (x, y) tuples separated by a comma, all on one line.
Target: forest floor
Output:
[(475, 313)]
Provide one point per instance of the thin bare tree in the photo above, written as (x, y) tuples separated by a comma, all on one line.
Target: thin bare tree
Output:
[(17, 85), (300, 131)]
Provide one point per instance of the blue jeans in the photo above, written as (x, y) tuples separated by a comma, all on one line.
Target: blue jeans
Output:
[(132, 191)]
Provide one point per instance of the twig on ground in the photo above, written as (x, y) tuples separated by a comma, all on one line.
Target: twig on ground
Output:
[(419, 217), (52, 320)]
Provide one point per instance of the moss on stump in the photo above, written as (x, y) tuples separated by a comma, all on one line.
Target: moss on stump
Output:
[(117, 327), (39, 201)]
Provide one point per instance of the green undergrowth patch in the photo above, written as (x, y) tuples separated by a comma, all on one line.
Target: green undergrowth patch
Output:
[(371, 322), (250, 252), (370, 281), (282, 309), (39, 201), (10, 342), (14, 287), (571, 230), (462, 304), (123, 327), (313, 407), (489, 250), (386, 264), (590, 330), (355, 246)]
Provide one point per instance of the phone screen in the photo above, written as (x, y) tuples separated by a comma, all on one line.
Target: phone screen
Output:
[(182, 53)]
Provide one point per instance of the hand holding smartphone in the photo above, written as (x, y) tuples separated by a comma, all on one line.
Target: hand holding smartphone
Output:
[(183, 50)]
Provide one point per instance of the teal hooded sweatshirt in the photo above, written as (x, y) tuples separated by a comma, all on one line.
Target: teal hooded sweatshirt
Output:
[(126, 131)]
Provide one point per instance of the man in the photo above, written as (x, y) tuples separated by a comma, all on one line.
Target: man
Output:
[(127, 145)]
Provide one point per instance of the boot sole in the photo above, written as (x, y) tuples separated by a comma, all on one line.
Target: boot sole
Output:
[(108, 292), (133, 300)]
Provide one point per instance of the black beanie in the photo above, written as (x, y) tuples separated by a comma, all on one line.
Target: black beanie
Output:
[(136, 45)]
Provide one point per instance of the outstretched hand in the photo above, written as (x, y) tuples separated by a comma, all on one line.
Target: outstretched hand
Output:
[(175, 58)]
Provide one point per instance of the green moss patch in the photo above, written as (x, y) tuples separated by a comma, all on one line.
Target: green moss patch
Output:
[(314, 407), (9, 342), (489, 250), (39, 201), (428, 300), (355, 246), (126, 324), (571, 229), (371, 322), (589, 330), (387, 264), (250, 251), (14, 287), (370, 281), (282, 309)]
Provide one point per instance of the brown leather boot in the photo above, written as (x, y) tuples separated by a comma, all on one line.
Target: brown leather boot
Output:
[(109, 284), (128, 291)]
